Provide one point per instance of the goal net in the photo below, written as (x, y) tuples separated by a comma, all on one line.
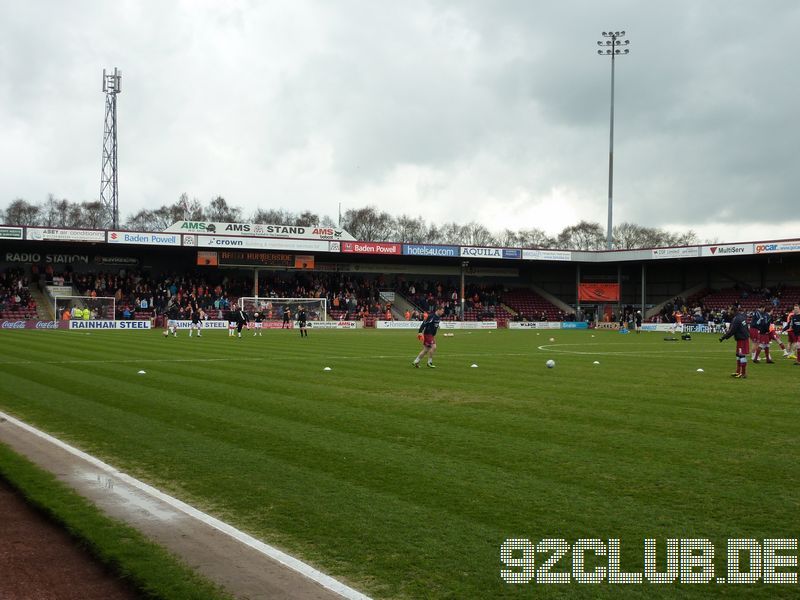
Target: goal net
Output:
[(273, 309), (99, 308)]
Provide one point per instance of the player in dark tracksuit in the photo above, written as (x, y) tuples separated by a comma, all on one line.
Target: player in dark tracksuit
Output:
[(762, 344), (302, 318), (241, 320), (427, 335), (739, 331), (755, 319)]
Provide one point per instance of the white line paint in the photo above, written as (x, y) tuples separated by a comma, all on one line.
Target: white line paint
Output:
[(287, 560)]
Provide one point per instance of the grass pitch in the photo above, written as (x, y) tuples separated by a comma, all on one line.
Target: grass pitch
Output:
[(405, 482)]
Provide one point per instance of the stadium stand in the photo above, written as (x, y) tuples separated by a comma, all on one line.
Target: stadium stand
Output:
[(530, 306), (15, 296), (781, 298)]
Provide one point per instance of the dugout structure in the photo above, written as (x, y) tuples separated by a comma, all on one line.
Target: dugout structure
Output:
[(101, 307)]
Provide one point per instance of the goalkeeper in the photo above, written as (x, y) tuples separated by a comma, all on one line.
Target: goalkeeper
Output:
[(427, 335), (739, 331)]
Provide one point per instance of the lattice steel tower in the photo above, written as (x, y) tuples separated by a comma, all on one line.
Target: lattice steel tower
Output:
[(109, 190)]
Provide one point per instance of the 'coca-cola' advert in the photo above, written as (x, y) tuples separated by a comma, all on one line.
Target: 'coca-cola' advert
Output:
[(22, 324)]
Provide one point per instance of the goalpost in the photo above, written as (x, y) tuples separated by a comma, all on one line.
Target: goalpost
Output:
[(273, 308), (101, 307)]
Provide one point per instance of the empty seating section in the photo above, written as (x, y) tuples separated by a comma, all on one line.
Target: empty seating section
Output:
[(531, 306)]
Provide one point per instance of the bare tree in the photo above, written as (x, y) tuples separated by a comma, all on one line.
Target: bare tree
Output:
[(189, 210), (627, 236), (476, 234), (55, 213), (583, 236), (508, 238), (410, 230), (92, 215), (451, 233), (306, 219), (218, 210), (22, 212), (368, 224), (141, 221), (272, 217), (534, 238), (688, 238)]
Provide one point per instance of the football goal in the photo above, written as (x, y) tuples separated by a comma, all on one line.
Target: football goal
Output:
[(273, 309)]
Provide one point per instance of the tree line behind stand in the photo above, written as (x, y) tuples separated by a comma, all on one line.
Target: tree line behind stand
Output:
[(365, 224)]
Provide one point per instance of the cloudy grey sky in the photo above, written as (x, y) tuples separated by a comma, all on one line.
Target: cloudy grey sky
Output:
[(496, 112)]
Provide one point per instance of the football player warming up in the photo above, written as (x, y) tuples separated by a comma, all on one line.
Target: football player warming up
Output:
[(739, 331), (427, 335)]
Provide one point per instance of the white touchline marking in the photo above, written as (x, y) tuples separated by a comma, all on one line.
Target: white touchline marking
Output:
[(287, 560)]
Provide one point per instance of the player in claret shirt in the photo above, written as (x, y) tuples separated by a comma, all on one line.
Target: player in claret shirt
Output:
[(739, 331), (793, 326), (427, 335)]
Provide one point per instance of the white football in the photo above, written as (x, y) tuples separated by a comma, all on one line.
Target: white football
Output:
[(550, 363)]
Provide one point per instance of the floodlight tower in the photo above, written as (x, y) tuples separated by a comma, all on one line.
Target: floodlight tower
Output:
[(109, 190), (613, 47)]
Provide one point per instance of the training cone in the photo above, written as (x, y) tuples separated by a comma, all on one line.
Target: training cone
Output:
[(141, 372), (700, 371), (326, 369), (597, 362), (473, 366)]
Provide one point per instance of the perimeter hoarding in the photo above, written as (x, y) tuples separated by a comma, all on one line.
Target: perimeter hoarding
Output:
[(11, 233), (727, 250), (690, 252), (222, 241), (773, 247), (144, 239), (443, 325), (92, 324), (40, 234), (430, 250), (561, 255), (371, 248)]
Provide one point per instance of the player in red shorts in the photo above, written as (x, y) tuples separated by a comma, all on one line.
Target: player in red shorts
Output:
[(772, 336), (764, 336), (427, 335), (738, 330), (755, 320), (793, 326)]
